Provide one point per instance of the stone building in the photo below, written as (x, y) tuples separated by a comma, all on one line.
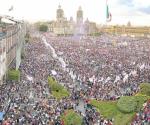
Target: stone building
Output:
[(62, 26), (127, 30), (79, 26), (11, 44)]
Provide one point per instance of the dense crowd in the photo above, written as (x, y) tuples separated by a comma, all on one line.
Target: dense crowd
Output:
[(108, 67), (143, 117), (103, 68), (30, 102)]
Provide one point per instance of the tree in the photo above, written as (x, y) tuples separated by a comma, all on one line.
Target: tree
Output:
[(127, 104), (43, 28), (145, 89)]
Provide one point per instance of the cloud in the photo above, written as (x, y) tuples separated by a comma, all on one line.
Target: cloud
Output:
[(128, 3), (145, 10), (136, 11), (141, 3)]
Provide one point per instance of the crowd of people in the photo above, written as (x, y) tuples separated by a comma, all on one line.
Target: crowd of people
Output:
[(108, 67), (143, 117), (29, 101), (103, 68)]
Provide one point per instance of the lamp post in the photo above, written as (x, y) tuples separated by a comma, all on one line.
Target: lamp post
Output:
[(0, 19)]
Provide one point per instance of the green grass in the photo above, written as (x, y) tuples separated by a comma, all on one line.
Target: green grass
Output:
[(145, 89), (109, 110), (60, 94), (141, 100), (58, 91), (13, 74), (71, 118), (123, 119)]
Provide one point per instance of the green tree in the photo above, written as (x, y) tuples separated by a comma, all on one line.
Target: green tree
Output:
[(127, 104), (43, 28)]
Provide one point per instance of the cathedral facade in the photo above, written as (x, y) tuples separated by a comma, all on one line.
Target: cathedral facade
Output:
[(62, 26)]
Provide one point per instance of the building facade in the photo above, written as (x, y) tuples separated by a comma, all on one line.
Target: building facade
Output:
[(2, 59), (62, 26), (127, 30), (11, 44)]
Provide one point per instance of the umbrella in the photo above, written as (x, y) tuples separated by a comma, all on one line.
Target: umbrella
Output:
[(1, 116)]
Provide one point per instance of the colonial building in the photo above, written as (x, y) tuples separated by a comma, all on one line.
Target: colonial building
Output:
[(11, 43), (79, 26), (62, 26), (127, 30), (2, 59)]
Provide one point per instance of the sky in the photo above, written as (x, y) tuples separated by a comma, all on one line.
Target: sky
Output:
[(135, 11)]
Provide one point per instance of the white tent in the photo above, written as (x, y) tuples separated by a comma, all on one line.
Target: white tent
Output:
[(54, 72)]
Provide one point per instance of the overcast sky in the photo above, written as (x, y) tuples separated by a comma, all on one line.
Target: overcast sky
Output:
[(135, 11)]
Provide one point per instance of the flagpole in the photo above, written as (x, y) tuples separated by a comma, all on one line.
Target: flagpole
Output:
[(106, 13), (10, 10)]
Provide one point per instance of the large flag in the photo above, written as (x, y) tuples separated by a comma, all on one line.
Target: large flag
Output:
[(11, 8), (108, 14)]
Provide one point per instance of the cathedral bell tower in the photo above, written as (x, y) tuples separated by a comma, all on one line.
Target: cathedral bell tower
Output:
[(60, 14), (79, 16)]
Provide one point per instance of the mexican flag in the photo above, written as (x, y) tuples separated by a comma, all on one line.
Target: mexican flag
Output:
[(108, 14), (11, 8)]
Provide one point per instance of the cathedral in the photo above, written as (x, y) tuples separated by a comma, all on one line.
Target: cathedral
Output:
[(62, 26)]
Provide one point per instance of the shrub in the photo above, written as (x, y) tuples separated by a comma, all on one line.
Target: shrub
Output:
[(145, 89), (127, 104)]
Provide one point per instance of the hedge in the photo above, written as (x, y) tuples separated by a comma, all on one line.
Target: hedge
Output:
[(128, 104)]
